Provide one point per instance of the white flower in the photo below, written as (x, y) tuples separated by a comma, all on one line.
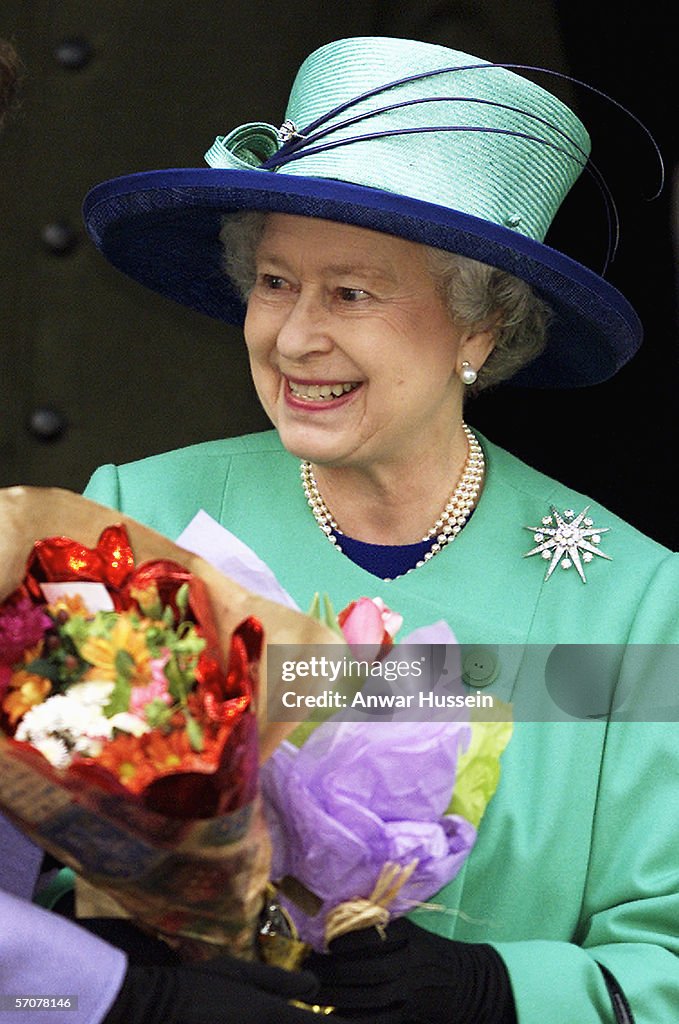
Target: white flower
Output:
[(86, 746), (127, 722), (66, 720), (54, 750), (92, 692)]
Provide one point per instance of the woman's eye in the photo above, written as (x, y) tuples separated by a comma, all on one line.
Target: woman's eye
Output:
[(353, 294), (273, 282)]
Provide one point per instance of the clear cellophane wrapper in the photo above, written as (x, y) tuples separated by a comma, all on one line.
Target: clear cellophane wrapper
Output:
[(198, 882)]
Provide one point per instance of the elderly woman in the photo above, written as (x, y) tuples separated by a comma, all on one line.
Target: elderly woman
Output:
[(385, 247)]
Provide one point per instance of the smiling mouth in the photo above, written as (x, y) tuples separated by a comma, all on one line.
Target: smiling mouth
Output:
[(321, 392)]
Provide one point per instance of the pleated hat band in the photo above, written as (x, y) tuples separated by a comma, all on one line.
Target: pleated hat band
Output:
[(363, 111)]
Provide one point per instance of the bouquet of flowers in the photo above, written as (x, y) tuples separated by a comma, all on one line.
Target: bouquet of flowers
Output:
[(129, 734), (368, 819)]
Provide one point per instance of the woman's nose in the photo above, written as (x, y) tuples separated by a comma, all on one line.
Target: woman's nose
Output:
[(305, 330)]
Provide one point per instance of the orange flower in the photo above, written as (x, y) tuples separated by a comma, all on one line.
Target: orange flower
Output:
[(138, 760), (25, 690), (124, 757), (101, 652), (72, 604), (169, 752)]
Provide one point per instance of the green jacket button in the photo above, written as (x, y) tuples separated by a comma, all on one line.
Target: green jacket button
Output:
[(480, 666)]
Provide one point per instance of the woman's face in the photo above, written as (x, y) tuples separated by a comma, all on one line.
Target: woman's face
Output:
[(353, 352)]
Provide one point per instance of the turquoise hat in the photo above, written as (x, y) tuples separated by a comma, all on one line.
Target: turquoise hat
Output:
[(408, 138)]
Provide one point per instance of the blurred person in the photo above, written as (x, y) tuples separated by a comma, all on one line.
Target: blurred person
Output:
[(8, 78)]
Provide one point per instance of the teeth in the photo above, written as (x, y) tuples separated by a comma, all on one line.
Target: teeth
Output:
[(321, 392)]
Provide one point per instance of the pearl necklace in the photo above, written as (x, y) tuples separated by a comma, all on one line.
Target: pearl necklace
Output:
[(450, 522)]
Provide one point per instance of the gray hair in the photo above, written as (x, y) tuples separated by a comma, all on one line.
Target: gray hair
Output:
[(475, 294)]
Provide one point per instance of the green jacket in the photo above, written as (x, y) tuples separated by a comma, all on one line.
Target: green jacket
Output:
[(577, 858)]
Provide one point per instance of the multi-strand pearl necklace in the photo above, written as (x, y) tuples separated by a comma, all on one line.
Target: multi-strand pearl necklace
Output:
[(450, 522)]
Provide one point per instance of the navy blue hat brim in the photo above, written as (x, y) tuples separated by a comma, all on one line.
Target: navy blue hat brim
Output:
[(162, 229)]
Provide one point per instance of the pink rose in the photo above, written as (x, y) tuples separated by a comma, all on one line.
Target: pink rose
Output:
[(368, 623)]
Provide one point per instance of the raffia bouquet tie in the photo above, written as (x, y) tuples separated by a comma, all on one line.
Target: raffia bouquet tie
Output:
[(373, 912)]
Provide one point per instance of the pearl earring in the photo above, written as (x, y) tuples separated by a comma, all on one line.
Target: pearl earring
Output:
[(468, 374)]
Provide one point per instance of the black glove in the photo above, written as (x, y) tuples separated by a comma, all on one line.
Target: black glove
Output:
[(413, 977), (159, 988), (219, 991), (141, 949)]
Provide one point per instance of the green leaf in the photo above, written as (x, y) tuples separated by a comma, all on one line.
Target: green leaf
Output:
[(478, 768), (322, 610), (124, 664), (120, 697), (182, 599), (194, 732), (301, 733), (330, 618), (42, 667), (157, 713), (179, 684), (77, 629), (188, 642)]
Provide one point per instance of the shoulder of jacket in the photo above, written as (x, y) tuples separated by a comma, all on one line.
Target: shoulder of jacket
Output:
[(265, 443)]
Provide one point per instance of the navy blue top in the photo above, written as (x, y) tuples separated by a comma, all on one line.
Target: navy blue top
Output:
[(386, 561)]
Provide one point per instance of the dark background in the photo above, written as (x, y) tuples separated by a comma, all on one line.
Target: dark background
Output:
[(95, 369), (617, 441)]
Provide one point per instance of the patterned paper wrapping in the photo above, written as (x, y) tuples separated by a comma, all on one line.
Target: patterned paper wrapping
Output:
[(200, 883)]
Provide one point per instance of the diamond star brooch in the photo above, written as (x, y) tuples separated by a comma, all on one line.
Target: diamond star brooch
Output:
[(567, 540)]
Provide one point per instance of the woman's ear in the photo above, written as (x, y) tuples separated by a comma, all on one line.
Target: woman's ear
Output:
[(477, 344)]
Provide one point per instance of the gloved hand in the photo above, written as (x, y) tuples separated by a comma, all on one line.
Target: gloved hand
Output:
[(142, 950), (219, 991), (413, 977), (159, 988)]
